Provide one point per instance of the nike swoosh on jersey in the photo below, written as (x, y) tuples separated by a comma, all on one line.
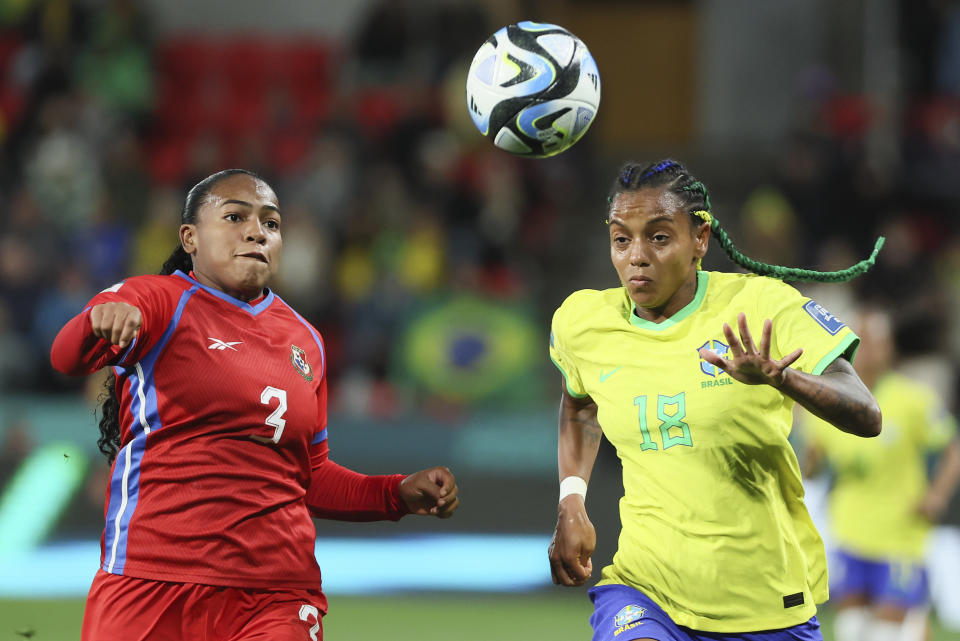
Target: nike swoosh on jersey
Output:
[(604, 377)]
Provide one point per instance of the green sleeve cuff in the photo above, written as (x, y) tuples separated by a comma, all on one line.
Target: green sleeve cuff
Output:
[(847, 347), (566, 381)]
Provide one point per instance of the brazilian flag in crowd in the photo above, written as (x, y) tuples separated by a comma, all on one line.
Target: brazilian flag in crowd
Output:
[(473, 350)]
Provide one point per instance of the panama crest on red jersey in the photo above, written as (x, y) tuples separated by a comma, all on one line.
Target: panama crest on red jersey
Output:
[(299, 359)]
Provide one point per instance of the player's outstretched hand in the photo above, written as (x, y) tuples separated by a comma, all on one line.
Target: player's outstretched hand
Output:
[(116, 322), (750, 364), (573, 543), (430, 492)]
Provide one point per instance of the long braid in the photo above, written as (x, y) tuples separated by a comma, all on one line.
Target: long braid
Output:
[(694, 194), (109, 441), (793, 273)]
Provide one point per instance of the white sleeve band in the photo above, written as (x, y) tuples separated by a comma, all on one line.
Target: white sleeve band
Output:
[(573, 485)]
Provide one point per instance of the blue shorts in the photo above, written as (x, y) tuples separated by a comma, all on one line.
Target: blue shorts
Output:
[(621, 613), (901, 583)]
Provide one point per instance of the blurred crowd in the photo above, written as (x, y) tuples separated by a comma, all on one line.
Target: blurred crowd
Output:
[(395, 208), (391, 206)]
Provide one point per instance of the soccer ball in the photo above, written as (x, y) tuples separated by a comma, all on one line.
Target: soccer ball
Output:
[(533, 88)]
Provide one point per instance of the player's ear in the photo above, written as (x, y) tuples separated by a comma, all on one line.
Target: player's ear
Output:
[(701, 240), (188, 238)]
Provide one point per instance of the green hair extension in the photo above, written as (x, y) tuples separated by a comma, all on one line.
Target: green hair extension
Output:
[(699, 186), (793, 273)]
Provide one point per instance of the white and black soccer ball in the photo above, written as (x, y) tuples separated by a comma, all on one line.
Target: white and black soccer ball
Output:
[(533, 89)]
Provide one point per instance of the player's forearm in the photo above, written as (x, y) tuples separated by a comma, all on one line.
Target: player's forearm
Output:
[(947, 476), (838, 396), (341, 494), (77, 352), (579, 438)]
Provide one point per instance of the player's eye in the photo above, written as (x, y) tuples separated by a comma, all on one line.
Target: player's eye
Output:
[(660, 238), (233, 218), (272, 224)]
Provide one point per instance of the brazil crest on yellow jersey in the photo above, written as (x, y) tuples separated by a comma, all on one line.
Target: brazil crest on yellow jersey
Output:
[(714, 528), (880, 481)]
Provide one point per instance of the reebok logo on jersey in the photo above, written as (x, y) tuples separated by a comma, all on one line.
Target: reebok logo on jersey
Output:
[(826, 320), (222, 345)]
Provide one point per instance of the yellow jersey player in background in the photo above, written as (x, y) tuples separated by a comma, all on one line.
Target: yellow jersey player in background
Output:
[(716, 542), (881, 505)]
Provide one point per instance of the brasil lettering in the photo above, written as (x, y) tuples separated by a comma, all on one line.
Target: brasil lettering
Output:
[(717, 383), (624, 628)]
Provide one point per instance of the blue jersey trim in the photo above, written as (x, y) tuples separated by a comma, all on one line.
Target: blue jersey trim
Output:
[(316, 337), (129, 349), (125, 478), (124, 494), (236, 302), (319, 437)]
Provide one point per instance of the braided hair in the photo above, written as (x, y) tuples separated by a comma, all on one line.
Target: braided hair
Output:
[(693, 195), (179, 259)]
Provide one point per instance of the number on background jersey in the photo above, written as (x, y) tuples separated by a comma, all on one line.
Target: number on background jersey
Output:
[(307, 611), (667, 421), (275, 420)]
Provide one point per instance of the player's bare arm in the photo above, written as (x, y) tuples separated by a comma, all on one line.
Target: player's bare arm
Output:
[(575, 537), (115, 322), (837, 395), (945, 481)]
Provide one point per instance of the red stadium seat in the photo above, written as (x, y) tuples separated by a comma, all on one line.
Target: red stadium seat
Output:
[(288, 150), (168, 160), (10, 45), (188, 60), (377, 111)]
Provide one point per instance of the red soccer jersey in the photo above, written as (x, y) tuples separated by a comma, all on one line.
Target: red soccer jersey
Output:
[(223, 421)]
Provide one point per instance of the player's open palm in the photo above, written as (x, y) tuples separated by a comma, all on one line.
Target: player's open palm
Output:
[(573, 543), (430, 492), (116, 322), (750, 363)]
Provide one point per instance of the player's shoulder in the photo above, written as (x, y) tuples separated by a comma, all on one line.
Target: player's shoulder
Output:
[(588, 306), (732, 284), (283, 311), (149, 284), (768, 296)]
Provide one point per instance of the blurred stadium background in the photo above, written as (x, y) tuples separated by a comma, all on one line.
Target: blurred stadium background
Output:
[(432, 262)]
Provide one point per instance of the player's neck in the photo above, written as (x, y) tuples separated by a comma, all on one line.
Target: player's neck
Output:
[(239, 296), (680, 299)]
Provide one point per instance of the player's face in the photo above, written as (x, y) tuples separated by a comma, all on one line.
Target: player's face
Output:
[(236, 241), (655, 249)]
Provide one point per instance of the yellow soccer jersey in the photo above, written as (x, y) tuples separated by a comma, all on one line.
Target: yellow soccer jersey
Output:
[(880, 481), (714, 528)]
